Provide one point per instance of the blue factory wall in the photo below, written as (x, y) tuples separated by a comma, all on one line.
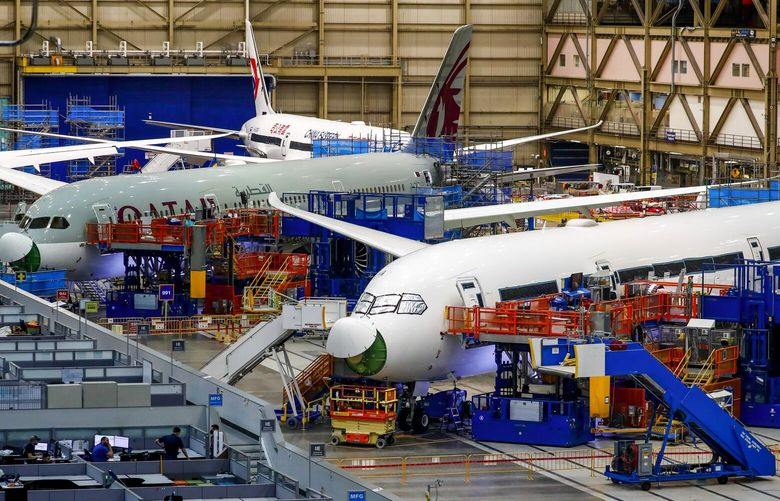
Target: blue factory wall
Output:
[(218, 101)]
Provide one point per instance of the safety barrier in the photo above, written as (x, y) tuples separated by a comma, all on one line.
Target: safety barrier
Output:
[(241, 222), (467, 466), (225, 328), (520, 318)]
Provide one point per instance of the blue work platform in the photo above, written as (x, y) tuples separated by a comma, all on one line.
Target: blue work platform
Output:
[(736, 452)]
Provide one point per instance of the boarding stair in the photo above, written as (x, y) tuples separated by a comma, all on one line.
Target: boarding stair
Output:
[(161, 162), (238, 359), (736, 452), (304, 395), (265, 338)]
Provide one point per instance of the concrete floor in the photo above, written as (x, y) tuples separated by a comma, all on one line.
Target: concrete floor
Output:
[(510, 481)]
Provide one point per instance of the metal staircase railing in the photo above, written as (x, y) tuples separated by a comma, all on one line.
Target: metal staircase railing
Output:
[(257, 293)]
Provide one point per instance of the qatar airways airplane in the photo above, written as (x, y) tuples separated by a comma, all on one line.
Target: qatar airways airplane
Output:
[(397, 329), (282, 136)]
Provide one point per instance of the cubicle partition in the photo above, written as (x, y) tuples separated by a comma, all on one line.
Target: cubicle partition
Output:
[(45, 343)]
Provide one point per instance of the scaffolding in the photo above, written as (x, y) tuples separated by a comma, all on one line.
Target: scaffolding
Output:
[(33, 118), (100, 121)]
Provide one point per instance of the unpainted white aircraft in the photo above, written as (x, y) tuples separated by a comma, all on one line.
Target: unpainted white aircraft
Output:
[(397, 329)]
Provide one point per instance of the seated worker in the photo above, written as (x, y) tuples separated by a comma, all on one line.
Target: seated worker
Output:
[(172, 444), (29, 449), (102, 451)]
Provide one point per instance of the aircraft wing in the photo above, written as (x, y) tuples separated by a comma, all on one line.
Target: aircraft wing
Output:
[(173, 125), (95, 148), (508, 143), (473, 216), (30, 182), (205, 155), (525, 175), (385, 242)]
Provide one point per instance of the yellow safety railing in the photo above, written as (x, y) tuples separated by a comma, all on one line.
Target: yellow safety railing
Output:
[(224, 328)]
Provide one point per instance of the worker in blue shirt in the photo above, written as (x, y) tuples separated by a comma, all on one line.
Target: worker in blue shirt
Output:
[(102, 451), (172, 444)]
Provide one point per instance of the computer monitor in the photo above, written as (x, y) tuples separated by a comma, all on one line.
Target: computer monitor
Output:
[(122, 442), (42, 447), (109, 437)]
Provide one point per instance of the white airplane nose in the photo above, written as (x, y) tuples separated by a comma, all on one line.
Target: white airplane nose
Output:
[(349, 337), (14, 246)]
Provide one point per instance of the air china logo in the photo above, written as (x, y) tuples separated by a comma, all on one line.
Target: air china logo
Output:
[(255, 76), (320, 134), (445, 113)]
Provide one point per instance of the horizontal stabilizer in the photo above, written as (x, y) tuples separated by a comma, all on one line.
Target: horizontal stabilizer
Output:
[(214, 130), (508, 143)]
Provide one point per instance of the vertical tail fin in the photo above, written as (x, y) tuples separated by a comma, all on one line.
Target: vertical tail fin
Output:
[(439, 116), (262, 101)]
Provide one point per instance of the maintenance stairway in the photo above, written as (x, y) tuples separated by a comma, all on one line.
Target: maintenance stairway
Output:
[(238, 359), (736, 452)]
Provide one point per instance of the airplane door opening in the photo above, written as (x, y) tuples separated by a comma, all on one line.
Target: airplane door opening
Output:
[(285, 144), (212, 202), (756, 249), (104, 214), (470, 291)]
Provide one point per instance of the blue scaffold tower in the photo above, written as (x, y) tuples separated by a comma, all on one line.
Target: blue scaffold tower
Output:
[(100, 121)]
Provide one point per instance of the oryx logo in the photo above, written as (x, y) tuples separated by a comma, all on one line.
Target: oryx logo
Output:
[(443, 120)]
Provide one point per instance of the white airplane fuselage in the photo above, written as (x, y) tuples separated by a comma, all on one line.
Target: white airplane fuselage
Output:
[(417, 348), (169, 193), (281, 136)]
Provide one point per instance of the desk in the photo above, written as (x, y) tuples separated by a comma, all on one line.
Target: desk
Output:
[(145, 480), (140, 455), (80, 480), (14, 492)]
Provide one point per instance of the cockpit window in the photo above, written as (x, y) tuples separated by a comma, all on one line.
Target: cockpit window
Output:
[(59, 223), (18, 218), (364, 303), (25, 222), (411, 304), (39, 223), (385, 304)]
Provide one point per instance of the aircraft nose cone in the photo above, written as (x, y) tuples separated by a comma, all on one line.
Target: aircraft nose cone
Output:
[(14, 246), (349, 337)]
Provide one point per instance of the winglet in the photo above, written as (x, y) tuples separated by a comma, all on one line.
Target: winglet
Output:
[(441, 112), (385, 242), (262, 101)]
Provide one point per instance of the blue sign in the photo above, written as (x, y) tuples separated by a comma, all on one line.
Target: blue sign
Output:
[(215, 400), (357, 495), (166, 292), (671, 136)]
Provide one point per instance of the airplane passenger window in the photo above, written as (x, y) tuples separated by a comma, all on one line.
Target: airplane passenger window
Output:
[(39, 223), (364, 303), (411, 304), (385, 304), (59, 223)]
